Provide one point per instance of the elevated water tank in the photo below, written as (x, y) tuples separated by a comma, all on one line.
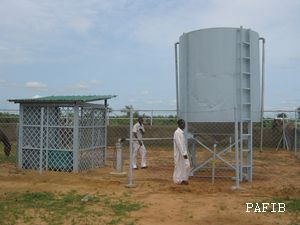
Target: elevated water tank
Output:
[(219, 71)]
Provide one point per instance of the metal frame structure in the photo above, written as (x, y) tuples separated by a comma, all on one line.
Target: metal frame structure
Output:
[(62, 135)]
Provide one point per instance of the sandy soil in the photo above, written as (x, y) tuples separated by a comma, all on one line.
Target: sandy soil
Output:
[(276, 174)]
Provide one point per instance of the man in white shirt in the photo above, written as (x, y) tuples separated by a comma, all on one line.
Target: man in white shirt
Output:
[(181, 161), (138, 145)]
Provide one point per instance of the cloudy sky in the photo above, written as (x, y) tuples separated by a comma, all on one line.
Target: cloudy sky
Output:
[(125, 47)]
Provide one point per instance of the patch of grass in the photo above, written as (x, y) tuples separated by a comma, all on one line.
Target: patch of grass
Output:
[(291, 204), (121, 208), (54, 209)]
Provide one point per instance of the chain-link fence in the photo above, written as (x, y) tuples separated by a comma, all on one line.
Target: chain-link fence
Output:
[(281, 130), (60, 138), (211, 145), (9, 121)]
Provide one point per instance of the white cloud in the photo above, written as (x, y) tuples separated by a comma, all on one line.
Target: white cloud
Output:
[(28, 24), (163, 29), (2, 81), (67, 31), (35, 85)]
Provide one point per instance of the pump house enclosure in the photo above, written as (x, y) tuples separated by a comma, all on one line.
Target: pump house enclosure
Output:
[(62, 133)]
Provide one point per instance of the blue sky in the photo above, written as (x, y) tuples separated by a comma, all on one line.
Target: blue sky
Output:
[(125, 47)]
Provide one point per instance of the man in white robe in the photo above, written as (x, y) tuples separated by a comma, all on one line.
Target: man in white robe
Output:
[(138, 145), (181, 161)]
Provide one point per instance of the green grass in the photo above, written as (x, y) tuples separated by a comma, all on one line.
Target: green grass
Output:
[(291, 204), (292, 207), (52, 209)]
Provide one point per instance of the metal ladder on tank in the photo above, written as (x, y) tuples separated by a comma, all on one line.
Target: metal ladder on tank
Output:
[(245, 128)]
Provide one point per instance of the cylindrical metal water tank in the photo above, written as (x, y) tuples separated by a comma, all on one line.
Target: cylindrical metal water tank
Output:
[(219, 71)]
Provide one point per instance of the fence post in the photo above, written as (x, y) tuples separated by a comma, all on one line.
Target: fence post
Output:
[(214, 165), (130, 178), (75, 138), (41, 140), (20, 141), (151, 118)]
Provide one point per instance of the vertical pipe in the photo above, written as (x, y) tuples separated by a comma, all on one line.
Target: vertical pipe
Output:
[(47, 138), (241, 106), (262, 93), (130, 179), (41, 140), (176, 77), (106, 113), (119, 160), (75, 138), (185, 109), (93, 144), (20, 144)]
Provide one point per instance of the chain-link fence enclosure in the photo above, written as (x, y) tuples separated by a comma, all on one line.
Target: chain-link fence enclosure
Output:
[(61, 138), (214, 158), (211, 147)]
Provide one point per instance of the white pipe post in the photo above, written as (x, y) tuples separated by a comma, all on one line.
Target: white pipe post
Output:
[(76, 139), (20, 141), (176, 78), (41, 140), (262, 93), (130, 178)]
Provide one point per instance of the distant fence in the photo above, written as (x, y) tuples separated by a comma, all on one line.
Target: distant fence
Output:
[(278, 132)]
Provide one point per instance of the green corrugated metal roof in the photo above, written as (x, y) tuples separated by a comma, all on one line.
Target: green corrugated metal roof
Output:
[(64, 99)]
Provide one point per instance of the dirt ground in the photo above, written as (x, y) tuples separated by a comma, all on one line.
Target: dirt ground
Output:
[(276, 175)]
